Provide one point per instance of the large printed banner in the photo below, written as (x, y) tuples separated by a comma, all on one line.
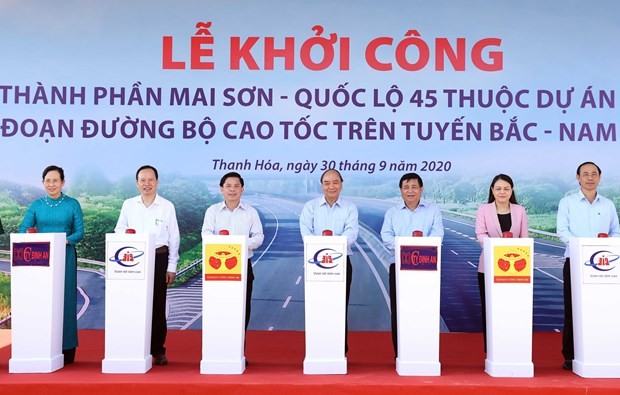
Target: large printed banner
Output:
[(283, 90), (277, 87)]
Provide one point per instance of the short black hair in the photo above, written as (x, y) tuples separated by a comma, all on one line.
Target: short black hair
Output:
[(145, 167), (232, 174), (410, 176), (54, 168), (589, 163)]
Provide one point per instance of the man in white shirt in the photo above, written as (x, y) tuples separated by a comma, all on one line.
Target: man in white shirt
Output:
[(238, 218), (151, 213)]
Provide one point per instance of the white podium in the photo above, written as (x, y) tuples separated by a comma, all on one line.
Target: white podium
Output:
[(509, 287), (130, 267), (37, 300), (595, 284), (325, 272), (418, 280), (224, 274)]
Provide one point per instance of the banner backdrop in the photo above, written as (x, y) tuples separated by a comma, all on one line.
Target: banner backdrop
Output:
[(283, 90)]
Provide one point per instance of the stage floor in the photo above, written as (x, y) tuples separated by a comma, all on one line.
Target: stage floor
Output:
[(276, 360)]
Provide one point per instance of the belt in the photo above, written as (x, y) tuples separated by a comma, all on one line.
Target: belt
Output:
[(161, 250)]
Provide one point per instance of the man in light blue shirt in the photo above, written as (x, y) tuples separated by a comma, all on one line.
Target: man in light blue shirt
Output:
[(413, 214), (332, 212), (582, 214)]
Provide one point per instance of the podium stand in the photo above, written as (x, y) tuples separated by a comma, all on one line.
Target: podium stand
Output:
[(224, 274), (509, 287), (418, 280), (595, 283), (130, 267), (325, 264), (37, 300)]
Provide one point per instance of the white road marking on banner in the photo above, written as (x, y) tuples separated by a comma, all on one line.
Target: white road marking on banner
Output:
[(190, 322), (254, 262), (83, 293), (286, 302), (85, 305), (386, 296), (550, 275)]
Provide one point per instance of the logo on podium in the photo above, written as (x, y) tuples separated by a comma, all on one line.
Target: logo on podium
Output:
[(512, 264), (326, 258), (418, 258), (222, 262), (31, 254), (126, 262), (601, 265), (325, 264)]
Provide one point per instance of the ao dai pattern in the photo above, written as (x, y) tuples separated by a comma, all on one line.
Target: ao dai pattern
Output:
[(62, 215)]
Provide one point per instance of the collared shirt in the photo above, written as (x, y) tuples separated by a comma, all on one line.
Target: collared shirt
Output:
[(577, 217), (340, 218), (159, 218), (400, 221), (242, 221)]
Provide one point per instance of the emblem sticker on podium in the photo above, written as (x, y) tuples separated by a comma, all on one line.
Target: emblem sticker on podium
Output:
[(127, 262), (325, 263), (222, 262), (418, 258), (512, 264), (600, 264), (31, 254)]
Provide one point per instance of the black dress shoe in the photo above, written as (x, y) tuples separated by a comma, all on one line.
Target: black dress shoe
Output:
[(69, 355), (568, 364), (161, 360)]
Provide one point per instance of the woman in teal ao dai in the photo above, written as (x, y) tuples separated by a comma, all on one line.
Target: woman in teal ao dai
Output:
[(59, 213)]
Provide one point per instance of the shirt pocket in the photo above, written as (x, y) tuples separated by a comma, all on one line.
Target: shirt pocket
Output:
[(162, 227)]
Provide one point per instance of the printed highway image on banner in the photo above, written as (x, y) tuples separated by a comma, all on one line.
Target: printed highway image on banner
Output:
[(281, 91)]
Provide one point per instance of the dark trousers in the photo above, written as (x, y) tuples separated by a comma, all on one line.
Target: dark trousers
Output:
[(568, 347), (392, 280), (483, 305), (159, 327), (248, 294), (346, 311)]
